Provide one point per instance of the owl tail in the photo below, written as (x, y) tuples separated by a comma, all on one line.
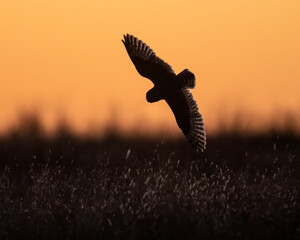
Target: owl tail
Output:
[(186, 79), (154, 95)]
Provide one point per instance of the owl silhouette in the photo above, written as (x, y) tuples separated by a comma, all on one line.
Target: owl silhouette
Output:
[(169, 87)]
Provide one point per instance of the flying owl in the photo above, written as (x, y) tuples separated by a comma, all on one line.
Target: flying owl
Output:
[(170, 87)]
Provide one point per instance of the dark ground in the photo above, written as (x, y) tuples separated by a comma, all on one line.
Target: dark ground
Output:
[(114, 188)]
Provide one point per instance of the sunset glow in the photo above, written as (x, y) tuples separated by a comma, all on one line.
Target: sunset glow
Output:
[(65, 61)]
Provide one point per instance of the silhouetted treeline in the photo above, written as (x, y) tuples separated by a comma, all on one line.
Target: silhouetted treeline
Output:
[(29, 145)]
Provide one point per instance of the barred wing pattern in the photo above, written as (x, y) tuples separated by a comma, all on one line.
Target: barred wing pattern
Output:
[(188, 118), (146, 61)]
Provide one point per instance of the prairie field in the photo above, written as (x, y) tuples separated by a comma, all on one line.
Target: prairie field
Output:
[(66, 187)]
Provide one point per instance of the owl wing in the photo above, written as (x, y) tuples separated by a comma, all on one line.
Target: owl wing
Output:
[(145, 60), (188, 118)]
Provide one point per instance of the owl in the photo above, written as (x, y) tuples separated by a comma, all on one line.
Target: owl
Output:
[(171, 87)]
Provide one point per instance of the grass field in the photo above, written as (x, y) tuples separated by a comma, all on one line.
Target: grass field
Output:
[(116, 188)]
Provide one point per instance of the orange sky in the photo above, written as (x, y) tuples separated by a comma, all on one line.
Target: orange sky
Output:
[(65, 60)]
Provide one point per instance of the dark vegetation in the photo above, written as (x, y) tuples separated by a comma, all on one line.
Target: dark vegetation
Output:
[(66, 187)]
